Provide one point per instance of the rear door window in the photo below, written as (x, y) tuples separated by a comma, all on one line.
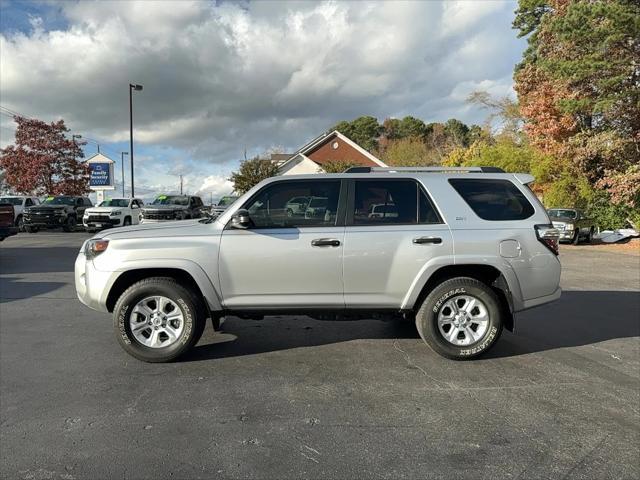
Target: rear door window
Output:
[(493, 199), (399, 202)]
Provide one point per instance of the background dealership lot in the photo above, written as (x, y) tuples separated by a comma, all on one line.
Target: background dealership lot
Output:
[(292, 397)]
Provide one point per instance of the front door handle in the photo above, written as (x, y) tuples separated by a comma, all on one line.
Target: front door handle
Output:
[(325, 242), (422, 240)]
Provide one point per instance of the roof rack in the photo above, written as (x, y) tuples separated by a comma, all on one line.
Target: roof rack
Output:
[(424, 169)]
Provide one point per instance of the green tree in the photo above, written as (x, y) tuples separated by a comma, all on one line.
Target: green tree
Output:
[(251, 173), (457, 131), (363, 130)]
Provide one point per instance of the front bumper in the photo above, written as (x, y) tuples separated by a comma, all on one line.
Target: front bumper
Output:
[(47, 221), (101, 221), (92, 285)]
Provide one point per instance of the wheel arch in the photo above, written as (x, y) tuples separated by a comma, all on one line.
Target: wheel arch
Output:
[(184, 277), (485, 273)]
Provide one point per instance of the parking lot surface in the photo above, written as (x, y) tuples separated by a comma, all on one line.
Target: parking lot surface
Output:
[(292, 397)]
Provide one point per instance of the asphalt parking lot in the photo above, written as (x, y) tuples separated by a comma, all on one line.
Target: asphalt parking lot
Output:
[(292, 397)]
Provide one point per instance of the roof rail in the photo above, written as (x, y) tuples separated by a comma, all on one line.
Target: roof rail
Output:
[(424, 169)]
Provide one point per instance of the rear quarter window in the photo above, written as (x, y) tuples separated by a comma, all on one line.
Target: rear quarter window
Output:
[(493, 199)]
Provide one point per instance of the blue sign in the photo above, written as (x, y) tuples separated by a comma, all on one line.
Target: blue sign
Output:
[(100, 175)]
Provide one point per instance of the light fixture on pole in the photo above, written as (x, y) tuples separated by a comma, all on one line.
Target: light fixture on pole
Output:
[(132, 87), (122, 154)]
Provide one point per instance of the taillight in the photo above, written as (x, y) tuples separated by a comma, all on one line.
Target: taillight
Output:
[(549, 236)]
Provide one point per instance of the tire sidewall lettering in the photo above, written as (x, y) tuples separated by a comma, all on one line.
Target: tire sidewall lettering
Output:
[(443, 298)]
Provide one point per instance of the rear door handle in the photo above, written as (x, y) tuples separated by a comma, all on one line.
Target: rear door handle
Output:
[(421, 240), (325, 242)]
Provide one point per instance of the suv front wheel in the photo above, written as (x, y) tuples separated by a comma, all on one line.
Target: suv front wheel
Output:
[(460, 319), (157, 319)]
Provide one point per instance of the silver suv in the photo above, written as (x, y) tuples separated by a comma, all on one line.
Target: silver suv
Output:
[(463, 250)]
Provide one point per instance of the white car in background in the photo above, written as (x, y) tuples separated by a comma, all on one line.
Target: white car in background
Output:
[(19, 202), (114, 212)]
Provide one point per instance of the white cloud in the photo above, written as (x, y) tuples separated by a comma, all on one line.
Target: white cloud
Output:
[(219, 79)]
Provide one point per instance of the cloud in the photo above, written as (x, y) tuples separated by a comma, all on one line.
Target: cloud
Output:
[(220, 78)]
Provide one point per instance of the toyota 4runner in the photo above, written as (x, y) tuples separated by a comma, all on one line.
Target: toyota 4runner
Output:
[(457, 250)]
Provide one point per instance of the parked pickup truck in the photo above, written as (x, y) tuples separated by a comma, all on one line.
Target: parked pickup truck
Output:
[(20, 203), (224, 203), (62, 211), (573, 224), (114, 212), (465, 249), (172, 207), (7, 223)]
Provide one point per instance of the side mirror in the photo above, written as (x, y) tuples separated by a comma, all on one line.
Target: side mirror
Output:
[(241, 219)]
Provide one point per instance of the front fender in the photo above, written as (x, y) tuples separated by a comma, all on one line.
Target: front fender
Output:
[(207, 287)]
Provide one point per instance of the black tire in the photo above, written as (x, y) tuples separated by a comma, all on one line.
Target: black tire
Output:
[(427, 317), (576, 237), (69, 224), (30, 229), (20, 223), (193, 312), (126, 222), (590, 236)]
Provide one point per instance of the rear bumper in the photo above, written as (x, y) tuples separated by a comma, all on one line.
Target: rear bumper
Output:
[(536, 302)]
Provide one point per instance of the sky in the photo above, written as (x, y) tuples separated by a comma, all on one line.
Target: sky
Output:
[(227, 79)]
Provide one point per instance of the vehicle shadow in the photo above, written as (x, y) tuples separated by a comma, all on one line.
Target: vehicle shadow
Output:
[(12, 288), (37, 259), (241, 337), (578, 318)]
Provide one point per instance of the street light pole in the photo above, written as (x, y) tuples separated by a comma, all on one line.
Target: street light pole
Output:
[(132, 87), (122, 154)]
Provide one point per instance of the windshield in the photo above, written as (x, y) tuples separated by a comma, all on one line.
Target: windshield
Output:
[(226, 201), (115, 202), (384, 208), (318, 202), (12, 201), (60, 201), (171, 200), (559, 213)]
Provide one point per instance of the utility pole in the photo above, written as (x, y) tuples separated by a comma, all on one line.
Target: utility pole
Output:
[(132, 87), (180, 184), (122, 154)]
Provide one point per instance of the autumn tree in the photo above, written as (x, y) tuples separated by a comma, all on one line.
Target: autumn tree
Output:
[(44, 160), (338, 165), (252, 172), (409, 152), (579, 87)]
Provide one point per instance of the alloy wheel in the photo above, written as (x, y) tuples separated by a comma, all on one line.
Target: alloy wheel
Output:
[(156, 322), (463, 320)]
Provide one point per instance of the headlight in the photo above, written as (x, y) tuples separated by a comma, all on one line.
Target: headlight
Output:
[(60, 212), (569, 226), (117, 212), (94, 248)]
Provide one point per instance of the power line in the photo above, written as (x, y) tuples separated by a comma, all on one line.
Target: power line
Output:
[(12, 113)]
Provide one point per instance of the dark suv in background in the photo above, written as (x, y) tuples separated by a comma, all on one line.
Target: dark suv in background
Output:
[(172, 207), (62, 211)]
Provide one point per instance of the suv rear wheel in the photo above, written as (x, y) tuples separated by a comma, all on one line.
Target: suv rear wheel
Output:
[(157, 319), (460, 319), (70, 224)]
